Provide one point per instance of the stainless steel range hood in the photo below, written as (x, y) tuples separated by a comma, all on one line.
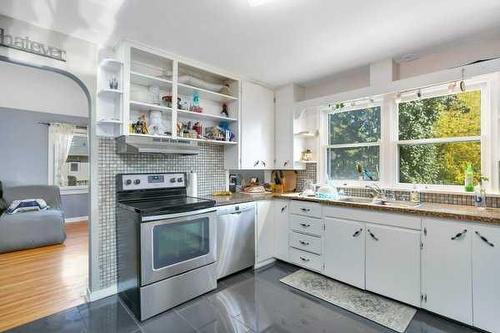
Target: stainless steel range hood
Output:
[(132, 144)]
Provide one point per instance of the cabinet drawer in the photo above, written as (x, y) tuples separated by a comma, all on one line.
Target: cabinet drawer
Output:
[(305, 242), (304, 208), (306, 259), (307, 225)]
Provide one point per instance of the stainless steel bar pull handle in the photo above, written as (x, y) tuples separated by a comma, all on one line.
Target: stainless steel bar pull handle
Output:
[(372, 235), (460, 234), (306, 210), (484, 239), (305, 259), (283, 208), (303, 242), (357, 233), (305, 225)]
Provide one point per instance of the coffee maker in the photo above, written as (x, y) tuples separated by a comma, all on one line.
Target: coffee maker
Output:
[(234, 181)]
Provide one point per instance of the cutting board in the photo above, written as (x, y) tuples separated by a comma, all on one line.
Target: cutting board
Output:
[(289, 179)]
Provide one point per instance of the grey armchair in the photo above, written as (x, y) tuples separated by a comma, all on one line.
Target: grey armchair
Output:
[(32, 229)]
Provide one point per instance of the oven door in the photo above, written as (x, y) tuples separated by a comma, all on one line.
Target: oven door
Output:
[(177, 243)]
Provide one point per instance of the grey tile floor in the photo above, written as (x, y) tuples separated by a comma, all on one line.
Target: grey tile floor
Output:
[(246, 302)]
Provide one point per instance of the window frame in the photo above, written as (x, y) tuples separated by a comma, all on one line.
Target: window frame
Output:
[(442, 90), (326, 144), (66, 190), (389, 139)]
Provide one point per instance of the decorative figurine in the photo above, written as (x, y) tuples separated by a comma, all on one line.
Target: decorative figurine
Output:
[(113, 83), (167, 100), (224, 111), (140, 126), (198, 128)]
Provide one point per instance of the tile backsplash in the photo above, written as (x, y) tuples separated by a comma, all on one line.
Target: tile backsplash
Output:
[(209, 166)]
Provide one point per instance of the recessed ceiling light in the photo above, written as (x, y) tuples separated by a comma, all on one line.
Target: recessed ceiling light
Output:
[(255, 3)]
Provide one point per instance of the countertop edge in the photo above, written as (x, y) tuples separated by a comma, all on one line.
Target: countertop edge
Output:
[(464, 213)]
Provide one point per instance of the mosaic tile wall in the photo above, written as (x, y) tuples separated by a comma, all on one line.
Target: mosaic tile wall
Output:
[(308, 174), (209, 166)]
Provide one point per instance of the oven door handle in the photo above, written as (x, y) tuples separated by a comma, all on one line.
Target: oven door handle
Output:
[(173, 216)]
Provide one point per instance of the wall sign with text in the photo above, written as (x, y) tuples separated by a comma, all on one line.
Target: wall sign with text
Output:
[(27, 45)]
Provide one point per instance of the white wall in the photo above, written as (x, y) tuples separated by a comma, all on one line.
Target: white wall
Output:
[(81, 61), (29, 89), (439, 58), (345, 81)]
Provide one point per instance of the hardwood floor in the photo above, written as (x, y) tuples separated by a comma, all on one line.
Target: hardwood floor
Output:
[(38, 282)]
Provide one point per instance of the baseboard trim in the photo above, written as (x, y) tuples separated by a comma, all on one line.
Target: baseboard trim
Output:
[(264, 263), (102, 293), (76, 219)]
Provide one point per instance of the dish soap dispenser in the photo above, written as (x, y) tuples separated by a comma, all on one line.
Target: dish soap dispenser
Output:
[(469, 178), (480, 195), (415, 195)]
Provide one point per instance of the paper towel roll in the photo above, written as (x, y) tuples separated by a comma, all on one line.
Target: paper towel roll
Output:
[(192, 190)]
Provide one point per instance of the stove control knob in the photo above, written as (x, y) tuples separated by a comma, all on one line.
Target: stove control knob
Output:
[(137, 181), (180, 179), (172, 180), (128, 182)]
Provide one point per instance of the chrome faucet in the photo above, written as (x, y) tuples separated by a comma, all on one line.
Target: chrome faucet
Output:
[(376, 191)]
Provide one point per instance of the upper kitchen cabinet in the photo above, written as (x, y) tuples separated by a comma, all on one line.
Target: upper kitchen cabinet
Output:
[(286, 98), (257, 127)]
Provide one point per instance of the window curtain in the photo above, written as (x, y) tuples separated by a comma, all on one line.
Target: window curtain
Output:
[(61, 136)]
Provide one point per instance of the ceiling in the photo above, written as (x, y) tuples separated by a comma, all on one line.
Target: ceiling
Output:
[(276, 42)]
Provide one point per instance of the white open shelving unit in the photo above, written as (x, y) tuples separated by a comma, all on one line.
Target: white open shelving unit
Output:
[(140, 67), (109, 100), (306, 136)]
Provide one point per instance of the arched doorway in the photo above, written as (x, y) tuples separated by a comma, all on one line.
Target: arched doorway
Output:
[(41, 280)]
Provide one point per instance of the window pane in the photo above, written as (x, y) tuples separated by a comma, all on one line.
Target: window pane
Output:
[(438, 117), (441, 164), (76, 168), (357, 126), (342, 162)]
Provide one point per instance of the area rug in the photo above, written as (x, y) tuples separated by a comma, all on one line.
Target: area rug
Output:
[(386, 312)]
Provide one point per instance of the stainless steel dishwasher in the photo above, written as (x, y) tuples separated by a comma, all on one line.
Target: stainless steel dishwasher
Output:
[(235, 238)]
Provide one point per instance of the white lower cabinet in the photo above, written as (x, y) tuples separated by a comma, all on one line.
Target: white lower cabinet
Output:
[(264, 243), (446, 268), (486, 277), (344, 251), (306, 259), (393, 262), (281, 208)]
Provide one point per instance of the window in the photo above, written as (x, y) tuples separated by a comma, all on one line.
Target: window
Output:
[(354, 139), (438, 137), (68, 158)]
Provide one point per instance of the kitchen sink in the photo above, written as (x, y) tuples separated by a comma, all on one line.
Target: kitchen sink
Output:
[(356, 200), (388, 203)]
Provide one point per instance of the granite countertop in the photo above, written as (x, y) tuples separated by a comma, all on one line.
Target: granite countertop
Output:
[(458, 212)]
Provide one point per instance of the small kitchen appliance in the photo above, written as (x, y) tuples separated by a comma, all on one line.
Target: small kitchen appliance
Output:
[(166, 242)]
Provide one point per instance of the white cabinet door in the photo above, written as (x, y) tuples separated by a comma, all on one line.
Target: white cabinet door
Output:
[(285, 104), (393, 262), (344, 251), (257, 127), (446, 268), (281, 229), (265, 231), (486, 277)]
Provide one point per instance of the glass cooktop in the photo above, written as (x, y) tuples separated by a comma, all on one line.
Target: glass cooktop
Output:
[(167, 205)]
